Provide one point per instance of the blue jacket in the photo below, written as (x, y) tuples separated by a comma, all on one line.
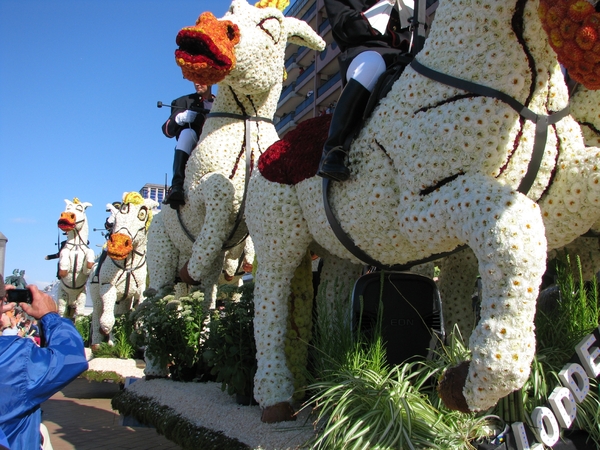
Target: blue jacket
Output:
[(30, 375)]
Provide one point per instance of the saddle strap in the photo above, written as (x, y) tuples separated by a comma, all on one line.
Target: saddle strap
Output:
[(541, 121)]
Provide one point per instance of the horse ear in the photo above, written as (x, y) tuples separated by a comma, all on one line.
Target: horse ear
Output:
[(67, 201), (86, 205), (300, 33), (150, 204)]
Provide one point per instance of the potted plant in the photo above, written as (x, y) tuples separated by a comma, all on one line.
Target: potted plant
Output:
[(230, 351)]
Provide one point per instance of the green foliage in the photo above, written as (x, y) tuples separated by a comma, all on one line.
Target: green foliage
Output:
[(361, 402), (172, 330), (122, 347), (230, 350), (103, 376), (83, 324), (560, 325)]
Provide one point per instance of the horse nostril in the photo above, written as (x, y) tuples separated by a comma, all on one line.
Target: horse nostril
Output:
[(231, 32)]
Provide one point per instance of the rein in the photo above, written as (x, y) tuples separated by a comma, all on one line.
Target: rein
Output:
[(247, 144)]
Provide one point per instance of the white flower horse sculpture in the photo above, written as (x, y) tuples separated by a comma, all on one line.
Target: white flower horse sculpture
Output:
[(119, 281), (239, 128), (437, 166), (76, 259)]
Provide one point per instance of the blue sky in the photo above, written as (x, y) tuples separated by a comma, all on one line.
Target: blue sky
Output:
[(79, 82)]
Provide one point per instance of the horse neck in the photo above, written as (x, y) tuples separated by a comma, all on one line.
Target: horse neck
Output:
[(263, 104), (79, 236)]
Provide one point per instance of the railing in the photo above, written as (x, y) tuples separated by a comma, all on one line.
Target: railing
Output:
[(310, 69), (291, 60), (287, 91), (295, 9), (284, 121), (328, 84), (310, 12), (305, 104), (323, 25)]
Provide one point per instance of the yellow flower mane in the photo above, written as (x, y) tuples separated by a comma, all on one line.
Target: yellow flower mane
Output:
[(279, 4)]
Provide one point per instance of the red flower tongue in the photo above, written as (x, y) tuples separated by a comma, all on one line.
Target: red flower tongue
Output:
[(65, 225), (573, 27)]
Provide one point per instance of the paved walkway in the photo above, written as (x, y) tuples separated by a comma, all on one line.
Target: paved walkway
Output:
[(80, 417)]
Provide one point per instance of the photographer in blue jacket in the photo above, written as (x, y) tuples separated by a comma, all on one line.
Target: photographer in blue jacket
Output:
[(32, 374)]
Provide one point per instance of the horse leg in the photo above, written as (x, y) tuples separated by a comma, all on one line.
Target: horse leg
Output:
[(505, 231), (108, 294), (337, 281), (456, 282), (281, 238), (162, 257), (97, 336), (79, 305), (218, 194), (62, 301)]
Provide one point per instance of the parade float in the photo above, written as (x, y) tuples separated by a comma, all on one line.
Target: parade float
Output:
[(474, 145)]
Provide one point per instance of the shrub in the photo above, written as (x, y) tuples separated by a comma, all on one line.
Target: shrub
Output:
[(172, 330), (230, 351)]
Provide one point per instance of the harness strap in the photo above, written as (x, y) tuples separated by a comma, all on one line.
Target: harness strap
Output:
[(541, 121), (240, 215), (358, 252), (239, 117)]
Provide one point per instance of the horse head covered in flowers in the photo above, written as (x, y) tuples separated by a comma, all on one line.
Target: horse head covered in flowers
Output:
[(76, 259), (119, 280), (472, 146), (195, 239)]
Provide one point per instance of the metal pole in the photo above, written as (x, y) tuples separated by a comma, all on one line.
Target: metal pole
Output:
[(3, 241)]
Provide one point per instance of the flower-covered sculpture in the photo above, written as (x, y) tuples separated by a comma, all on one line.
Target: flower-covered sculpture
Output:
[(435, 167), (119, 281), (76, 259), (191, 241)]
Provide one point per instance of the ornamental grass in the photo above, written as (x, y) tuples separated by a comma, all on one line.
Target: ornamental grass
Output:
[(361, 402)]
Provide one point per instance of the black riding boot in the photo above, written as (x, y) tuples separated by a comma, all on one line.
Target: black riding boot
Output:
[(175, 197), (346, 116)]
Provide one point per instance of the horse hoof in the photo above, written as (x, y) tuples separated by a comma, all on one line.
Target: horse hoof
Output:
[(451, 385), (185, 276), (279, 412)]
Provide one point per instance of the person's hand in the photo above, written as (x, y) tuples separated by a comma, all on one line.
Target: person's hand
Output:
[(41, 304), (185, 117)]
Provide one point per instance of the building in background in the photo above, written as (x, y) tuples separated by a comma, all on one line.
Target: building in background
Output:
[(155, 192), (313, 84)]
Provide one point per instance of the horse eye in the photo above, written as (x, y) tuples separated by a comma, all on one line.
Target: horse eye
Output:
[(142, 214), (125, 208)]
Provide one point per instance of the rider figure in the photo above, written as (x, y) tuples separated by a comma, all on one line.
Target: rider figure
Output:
[(365, 53), (188, 114)]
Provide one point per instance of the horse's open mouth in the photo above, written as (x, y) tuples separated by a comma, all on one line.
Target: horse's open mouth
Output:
[(206, 50), (65, 225), (197, 49)]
